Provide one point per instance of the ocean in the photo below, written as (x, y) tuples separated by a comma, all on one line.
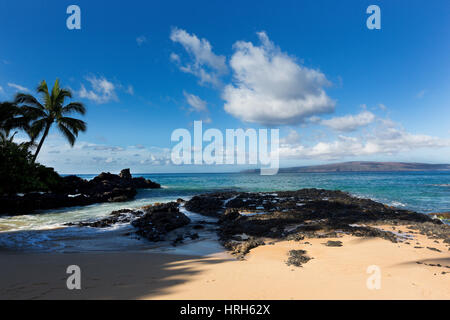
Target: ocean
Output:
[(45, 231)]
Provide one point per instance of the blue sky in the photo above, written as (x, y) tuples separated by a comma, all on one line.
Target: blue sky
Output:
[(336, 90)]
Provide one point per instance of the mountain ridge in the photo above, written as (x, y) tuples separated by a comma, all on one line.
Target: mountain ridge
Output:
[(363, 166)]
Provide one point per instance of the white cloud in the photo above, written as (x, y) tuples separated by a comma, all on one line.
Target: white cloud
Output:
[(130, 90), (102, 91), (175, 58), (292, 138), (387, 137), (349, 123), (271, 88), (18, 87), (1, 89), (195, 102), (204, 64), (91, 157), (141, 40)]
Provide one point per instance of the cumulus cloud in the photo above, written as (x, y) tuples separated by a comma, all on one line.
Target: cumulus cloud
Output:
[(196, 103), (292, 138), (272, 88), (350, 123), (102, 90), (204, 63), (175, 58), (386, 137), (18, 87), (141, 40), (92, 157), (382, 107)]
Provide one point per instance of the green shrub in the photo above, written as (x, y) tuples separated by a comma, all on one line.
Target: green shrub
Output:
[(18, 173)]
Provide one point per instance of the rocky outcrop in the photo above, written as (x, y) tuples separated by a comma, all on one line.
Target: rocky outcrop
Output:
[(241, 248), (75, 191), (152, 222), (115, 217), (331, 243), (306, 213), (208, 205), (297, 258), (158, 220)]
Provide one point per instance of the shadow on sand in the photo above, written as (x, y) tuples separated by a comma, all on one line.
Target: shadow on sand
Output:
[(120, 275)]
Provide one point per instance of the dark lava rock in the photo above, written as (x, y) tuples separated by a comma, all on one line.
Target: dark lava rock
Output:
[(229, 215), (119, 216), (296, 237), (178, 240), (209, 205), (307, 213), (331, 243), (159, 220), (74, 191), (434, 249), (297, 258), (241, 248), (152, 222), (433, 229), (125, 174)]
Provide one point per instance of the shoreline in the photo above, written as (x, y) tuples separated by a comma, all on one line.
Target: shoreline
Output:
[(333, 273), (304, 244)]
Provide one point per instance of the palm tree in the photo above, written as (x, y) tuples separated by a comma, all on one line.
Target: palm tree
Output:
[(12, 117), (52, 110)]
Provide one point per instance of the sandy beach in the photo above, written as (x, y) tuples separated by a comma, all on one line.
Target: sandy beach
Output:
[(333, 273)]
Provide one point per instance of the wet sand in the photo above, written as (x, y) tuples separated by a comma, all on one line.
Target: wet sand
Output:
[(333, 273)]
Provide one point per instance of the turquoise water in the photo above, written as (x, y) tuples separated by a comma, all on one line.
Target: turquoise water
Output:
[(419, 191)]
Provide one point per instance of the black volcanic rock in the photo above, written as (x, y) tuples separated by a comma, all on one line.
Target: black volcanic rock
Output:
[(152, 222), (208, 205), (125, 174), (241, 248), (297, 258), (331, 243), (119, 216), (74, 191), (306, 213), (160, 219)]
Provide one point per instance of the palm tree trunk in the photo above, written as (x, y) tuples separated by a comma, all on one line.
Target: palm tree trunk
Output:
[(47, 129)]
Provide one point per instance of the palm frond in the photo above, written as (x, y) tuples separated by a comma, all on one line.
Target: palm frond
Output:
[(76, 107), (28, 99), (67, 133), (43, 88), (12, 117), (74, 125), (32, 112), (37, 127)]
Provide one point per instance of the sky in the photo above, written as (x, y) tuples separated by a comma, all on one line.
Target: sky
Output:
[(336, 90)]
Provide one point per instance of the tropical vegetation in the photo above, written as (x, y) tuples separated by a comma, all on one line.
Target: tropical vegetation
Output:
[(19, 171)]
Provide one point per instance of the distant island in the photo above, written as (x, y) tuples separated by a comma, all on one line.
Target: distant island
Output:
[(364, 166)]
